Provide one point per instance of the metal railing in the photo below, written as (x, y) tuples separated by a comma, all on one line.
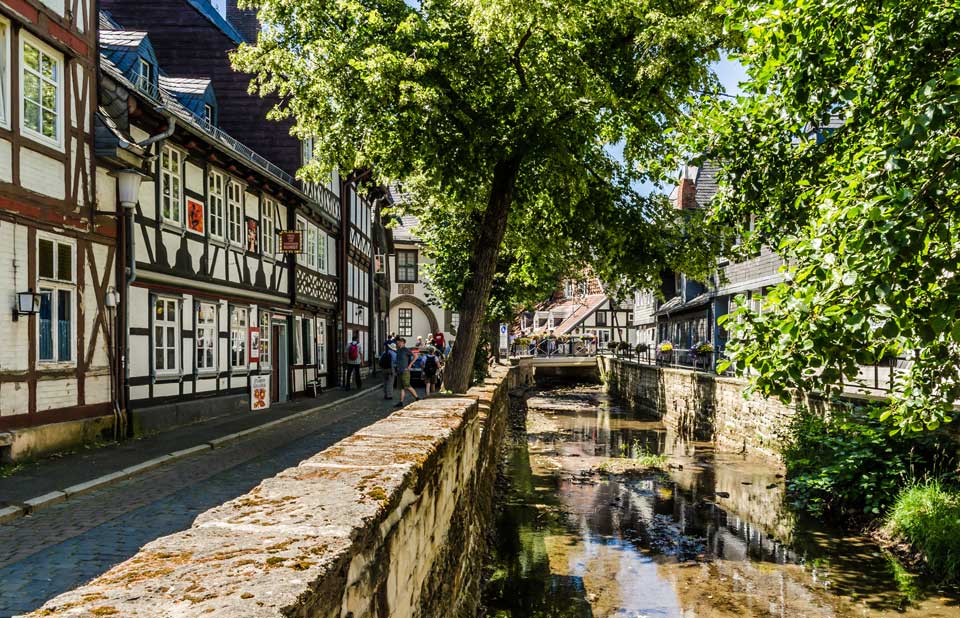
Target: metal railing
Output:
[(554, 347)]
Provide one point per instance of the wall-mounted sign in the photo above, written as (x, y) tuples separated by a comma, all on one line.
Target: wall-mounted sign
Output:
[(291, 242), (195, 216), (379, 264), (254, 344), (405, 288), (259, 392)]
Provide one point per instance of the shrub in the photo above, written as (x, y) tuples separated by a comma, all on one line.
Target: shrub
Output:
[(927, 516), (642, 348), (848, 466)]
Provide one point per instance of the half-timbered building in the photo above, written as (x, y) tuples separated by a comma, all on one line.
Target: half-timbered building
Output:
[(208, 293), (192, 39), (356, 236), (57, 244)]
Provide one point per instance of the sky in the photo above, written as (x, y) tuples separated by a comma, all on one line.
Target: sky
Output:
[(731, 74)]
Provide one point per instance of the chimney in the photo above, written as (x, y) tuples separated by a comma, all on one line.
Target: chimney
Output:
[(244, 20), (686, 194)]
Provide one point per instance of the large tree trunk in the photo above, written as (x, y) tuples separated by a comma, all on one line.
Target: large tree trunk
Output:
[(458, 373)]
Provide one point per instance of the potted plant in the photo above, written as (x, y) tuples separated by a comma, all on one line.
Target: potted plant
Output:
[(642, 349), (664, 352), (702, 353)]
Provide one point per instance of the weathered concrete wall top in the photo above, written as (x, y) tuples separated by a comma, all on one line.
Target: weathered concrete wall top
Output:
[(383, 523)]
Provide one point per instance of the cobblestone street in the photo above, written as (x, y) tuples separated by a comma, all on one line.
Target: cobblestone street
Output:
[(68, 544)]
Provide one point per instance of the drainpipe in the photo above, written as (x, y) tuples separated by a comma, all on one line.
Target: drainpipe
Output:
[(128, 201)]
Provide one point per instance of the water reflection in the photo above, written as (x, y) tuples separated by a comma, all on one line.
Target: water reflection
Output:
[(708, 537)]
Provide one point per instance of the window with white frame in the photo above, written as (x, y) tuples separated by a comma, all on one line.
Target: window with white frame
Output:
[(235, 212), (238, 338), (268, 242), (171, 185), (307, 333), (307, 153), (166, 338), (4, 73), (145, 75), (454, 321), (41, 79), (297, 340), (405, 322), (321, 345), (310, 253), (208, 114), (55, 326), (322, 251), (206, 337), (215, 200), (264, 338)]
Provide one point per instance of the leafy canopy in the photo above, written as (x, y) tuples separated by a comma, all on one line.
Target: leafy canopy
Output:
[(435, 94), (864, 209)]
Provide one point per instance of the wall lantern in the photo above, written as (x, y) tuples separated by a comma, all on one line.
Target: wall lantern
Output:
[(128, 185), (28, 303)]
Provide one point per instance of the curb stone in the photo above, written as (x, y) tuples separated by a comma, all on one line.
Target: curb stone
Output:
[(37, 503)]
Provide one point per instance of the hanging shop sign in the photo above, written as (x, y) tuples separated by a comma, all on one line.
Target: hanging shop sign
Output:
[(291, 242)]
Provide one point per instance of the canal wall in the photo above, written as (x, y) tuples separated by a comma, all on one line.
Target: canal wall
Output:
[(702, 406), (389, 522)]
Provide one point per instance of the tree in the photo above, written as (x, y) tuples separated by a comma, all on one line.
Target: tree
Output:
[(844, 153), (499, 113)]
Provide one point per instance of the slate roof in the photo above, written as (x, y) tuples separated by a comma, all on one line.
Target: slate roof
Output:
[(213, 15), (676, 304), (706, 181), (185, 85), (404, 232), (121, 38)]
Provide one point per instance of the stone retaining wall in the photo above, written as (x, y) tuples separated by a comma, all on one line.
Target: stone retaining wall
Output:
[(390, 522), (701, 406)]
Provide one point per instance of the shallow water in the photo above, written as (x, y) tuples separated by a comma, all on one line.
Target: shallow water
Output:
[(583, 533)]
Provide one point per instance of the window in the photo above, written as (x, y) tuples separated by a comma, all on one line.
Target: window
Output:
[(40, 86), (144, 76), (56, 288), (297, 341), (405, 326), (264, 338), (601, 318), (268, 242), (4, 73), (406, 266), (238, 338), (310, 257), (454, 322), (235, 212), (171, 186), (206, 337), (166, 341), (321, 345), (321, 251), (307, 153), (208, 114), (215, 208), (307, 341)]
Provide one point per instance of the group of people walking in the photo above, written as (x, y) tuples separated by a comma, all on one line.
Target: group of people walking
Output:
[(398, 361)]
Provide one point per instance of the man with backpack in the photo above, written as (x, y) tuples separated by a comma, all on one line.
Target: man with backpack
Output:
[(354, 356), (431, 368), (404, 364), (388, 361)]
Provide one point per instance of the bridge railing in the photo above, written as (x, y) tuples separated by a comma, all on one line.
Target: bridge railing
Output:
[(557, 347)]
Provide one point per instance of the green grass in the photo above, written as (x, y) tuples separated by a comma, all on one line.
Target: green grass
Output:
[(927, 517)]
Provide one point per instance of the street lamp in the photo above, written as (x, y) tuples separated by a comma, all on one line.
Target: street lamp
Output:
[(28, 303), (128, 185)]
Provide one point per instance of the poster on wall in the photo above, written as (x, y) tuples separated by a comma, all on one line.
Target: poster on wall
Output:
[(251, 235), (291, 242), (195, 216), (254, 344), (259, 392)]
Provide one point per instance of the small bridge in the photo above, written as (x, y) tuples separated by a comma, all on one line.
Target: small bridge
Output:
[(574, 359)]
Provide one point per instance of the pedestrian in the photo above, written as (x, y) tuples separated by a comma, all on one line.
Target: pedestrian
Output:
[(354, 354), (388, 363), (404, 363), (440, 341), (419, 344), (431, 368)]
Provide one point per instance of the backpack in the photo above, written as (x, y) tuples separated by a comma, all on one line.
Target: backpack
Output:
[(385, 361), (353, 352), (430, 365)]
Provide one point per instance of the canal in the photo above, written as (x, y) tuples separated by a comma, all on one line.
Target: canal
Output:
[(586, 528)]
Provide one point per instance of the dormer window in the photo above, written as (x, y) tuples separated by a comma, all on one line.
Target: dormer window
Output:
[(145, 76), (208, 116), (307, 150)]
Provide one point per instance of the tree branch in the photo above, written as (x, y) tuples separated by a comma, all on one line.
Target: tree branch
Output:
[(516, 57)]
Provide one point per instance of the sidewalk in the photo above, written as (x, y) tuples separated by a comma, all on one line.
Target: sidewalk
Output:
[(54, 479)]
